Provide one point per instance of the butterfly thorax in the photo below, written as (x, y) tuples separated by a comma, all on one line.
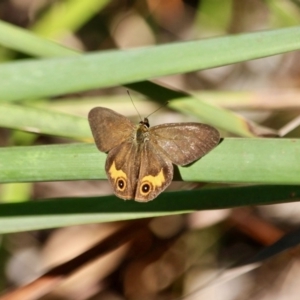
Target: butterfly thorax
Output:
[(142, 132)]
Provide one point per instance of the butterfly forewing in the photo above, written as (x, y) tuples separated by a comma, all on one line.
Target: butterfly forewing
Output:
[(109, 128), (184, 143)]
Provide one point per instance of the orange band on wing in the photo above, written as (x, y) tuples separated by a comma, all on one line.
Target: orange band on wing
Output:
[(157, 180), (115, 173)]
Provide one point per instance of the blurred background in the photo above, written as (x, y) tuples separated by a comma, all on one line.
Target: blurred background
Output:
[(177, 257)]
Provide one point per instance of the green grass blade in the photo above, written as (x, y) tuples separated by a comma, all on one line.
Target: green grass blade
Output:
[(66, 212), (15, 192), (218, 117), (55, 123), (266, 161), (206, 112), (44, 121), (67, 16), (49, 77), (22, 40)]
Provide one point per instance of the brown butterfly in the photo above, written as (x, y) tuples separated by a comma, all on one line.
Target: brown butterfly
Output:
[(140, 158)]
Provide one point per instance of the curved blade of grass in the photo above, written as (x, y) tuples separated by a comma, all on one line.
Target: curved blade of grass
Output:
[(23, 40), (253, 100), (205, 111), (52, 213), (237, 125), (45, 122), (49, 77), (272, 161), (213, 18), (82, 105), (15, 192), (283, 13), (67, 16)]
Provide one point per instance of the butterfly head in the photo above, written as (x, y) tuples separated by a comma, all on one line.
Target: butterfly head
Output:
[(145, 123)]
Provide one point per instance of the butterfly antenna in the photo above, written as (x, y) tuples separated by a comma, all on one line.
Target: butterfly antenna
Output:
[(134, 105), (166, 103)]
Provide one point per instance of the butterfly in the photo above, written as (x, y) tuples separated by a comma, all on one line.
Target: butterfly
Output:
[(140, 158)]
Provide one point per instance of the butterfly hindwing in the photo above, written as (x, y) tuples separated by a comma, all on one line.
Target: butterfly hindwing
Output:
[(155, 173), (122, 169)]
